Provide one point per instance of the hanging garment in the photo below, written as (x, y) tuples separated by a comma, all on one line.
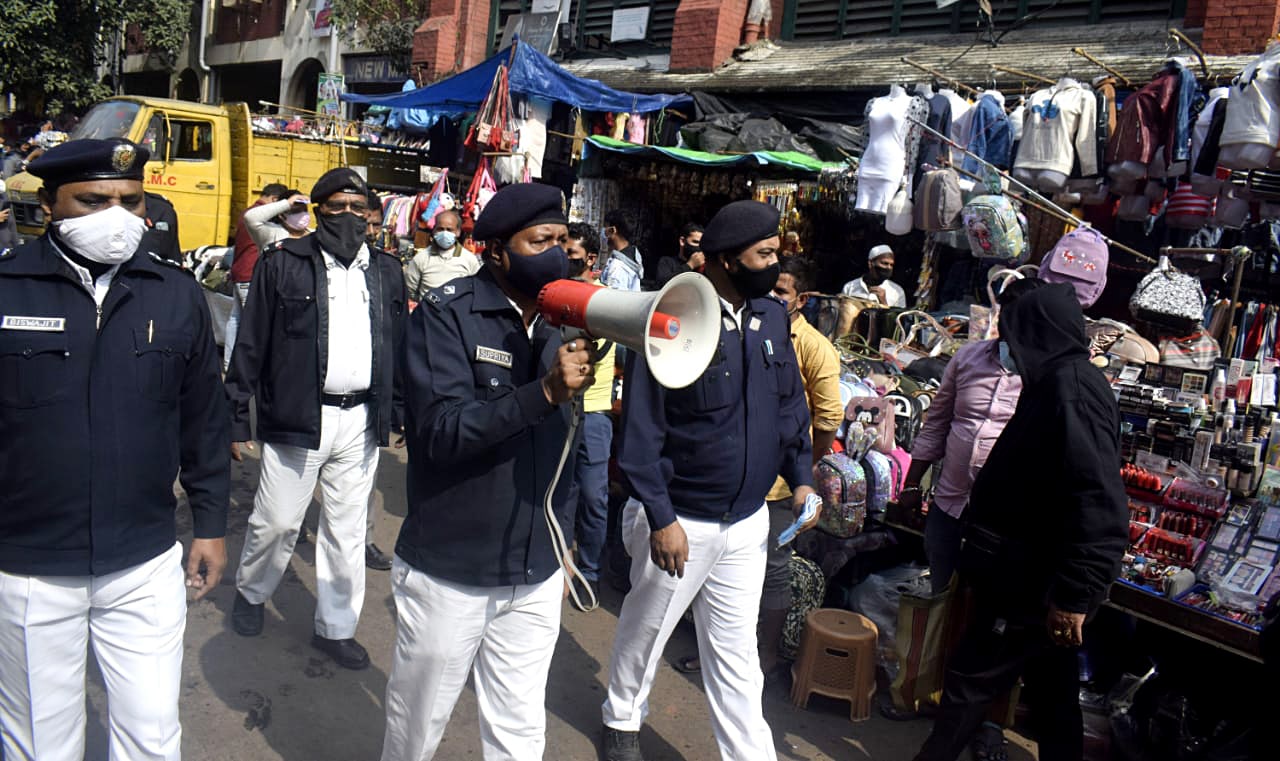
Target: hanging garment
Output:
[(1157, 115), (1060, 126), (932, 149), (532, 147), (960, 115), (882, 169), (1018, 117), (1253, 109), (990, 134), (1204, 123)]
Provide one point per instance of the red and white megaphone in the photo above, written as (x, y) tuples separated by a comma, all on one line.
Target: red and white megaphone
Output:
[(677, 328)]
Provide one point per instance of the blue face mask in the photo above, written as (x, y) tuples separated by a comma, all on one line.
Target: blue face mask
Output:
[(1006, 358), (445, 240), (529, 274)]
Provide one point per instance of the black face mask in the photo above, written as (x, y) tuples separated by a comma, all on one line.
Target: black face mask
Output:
[(690, 249), (528, 274), (753, 284), (881, 273), (341, 234), (577, 267)]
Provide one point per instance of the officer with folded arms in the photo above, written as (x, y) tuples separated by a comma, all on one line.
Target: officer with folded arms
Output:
[(478, 587), (317, 349), (109, 389)]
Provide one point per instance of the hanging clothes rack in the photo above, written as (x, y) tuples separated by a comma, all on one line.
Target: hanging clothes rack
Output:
[(1040, 201), (1122, 79), (1024, 74), (957, 84)]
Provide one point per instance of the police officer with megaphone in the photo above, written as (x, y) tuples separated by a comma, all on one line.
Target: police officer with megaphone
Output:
[(478, 586)]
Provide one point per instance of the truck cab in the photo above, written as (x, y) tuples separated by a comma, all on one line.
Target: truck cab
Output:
[(190, 164)]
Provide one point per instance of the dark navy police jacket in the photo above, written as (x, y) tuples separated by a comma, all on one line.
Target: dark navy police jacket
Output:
[(483, 439), (712, 450), (96, 421), (282, 349)]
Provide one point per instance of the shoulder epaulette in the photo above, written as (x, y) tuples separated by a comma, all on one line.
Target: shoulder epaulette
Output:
[(168, 262), (438, 297)]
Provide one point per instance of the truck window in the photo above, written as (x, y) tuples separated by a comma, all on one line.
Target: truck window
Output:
[(153, 139), (191, 140), (110, 118)]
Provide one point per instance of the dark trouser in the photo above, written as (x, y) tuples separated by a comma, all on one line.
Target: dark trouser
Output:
[(777, 570), (942, 540), (991, 656), (593, 491)]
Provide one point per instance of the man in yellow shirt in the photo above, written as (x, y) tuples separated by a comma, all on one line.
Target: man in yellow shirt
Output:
[(819, 364), (591, 476)]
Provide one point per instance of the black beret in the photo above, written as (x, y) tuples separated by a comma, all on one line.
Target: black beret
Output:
[(739, 225), (341, 180), (518, 207), (90, 159)]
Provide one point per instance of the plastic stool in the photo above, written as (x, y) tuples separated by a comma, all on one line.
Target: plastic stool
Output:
[(837, 659)]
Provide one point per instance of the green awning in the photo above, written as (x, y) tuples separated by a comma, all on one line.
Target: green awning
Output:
[(787, 159)]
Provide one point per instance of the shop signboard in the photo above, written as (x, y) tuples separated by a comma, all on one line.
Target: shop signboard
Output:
[(372, 69)]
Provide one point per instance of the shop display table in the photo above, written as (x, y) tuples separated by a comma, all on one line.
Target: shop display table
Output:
[(1161, 611)]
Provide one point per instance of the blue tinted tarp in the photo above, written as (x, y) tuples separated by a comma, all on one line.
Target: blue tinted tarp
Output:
[(532, 73)]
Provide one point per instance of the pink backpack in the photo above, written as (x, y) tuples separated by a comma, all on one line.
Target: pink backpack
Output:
[(1079, 260)]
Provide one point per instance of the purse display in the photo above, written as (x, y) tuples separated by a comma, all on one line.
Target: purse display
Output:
[(1169, 299)]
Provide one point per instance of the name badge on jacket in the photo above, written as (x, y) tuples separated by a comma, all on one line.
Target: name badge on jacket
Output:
[(40, 324), (493, 356)]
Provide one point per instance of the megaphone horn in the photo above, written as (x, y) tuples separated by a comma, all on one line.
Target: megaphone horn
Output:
[(677, 328)]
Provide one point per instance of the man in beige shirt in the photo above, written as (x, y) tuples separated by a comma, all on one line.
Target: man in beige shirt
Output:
[(443, 260)]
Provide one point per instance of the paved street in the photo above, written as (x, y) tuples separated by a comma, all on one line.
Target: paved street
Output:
[(276, 698)]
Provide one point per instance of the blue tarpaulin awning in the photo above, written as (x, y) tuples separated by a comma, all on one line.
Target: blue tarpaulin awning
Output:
[(532, 73)]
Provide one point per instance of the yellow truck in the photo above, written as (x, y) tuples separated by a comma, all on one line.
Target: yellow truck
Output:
[(211, 165)]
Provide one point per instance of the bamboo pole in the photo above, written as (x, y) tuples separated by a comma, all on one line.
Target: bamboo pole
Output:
[(1041, 201), (943, 77), (1122, 79), (1024, 74)]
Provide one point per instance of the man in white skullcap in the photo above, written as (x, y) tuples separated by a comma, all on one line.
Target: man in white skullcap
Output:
[(876, 285)]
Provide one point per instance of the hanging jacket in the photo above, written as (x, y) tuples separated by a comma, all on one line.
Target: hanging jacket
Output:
[(1051, 488), (1059, 126), (990, 134), (1156, 115)]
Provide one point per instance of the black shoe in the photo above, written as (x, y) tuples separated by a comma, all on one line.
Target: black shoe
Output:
[(347, 653), (246, 618), (582, 593), (375, 559), (617, 745)]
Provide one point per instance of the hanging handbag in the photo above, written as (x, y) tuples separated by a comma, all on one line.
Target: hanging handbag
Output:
[(1169, 299), (899, 216), (1197, 351), (984, 321), (480, 191)]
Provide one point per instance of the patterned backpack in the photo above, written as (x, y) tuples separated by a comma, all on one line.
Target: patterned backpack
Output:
[(1080, 260), (885, 476), (843, 487), (996, 230), (1169, 299), (808, 589)]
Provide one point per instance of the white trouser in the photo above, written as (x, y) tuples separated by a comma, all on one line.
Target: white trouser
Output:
[(345, 465), (443, 629), (134, 619), (722, 578), (239, 292)]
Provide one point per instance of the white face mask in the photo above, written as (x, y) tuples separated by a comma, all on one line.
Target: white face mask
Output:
[(110, 236)]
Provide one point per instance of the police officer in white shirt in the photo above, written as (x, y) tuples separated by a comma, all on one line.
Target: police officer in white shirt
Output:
[(876, 285), (317, 348), (109, 389)]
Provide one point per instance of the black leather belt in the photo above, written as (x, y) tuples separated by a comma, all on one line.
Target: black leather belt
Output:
[(345, 401)]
